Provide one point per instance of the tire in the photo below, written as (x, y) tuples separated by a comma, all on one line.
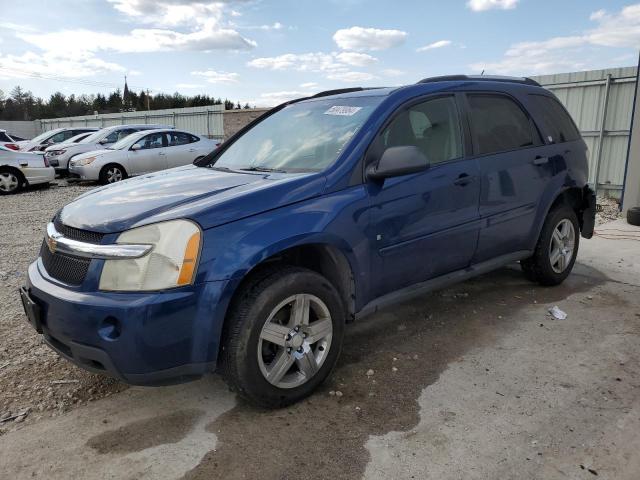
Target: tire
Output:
[(541, 267), (250, 352), (112, 173), (633, 216), (11, 181)]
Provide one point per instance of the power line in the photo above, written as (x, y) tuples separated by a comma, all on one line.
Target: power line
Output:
[(91, 83)]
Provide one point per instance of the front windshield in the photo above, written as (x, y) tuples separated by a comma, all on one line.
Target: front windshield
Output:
[(124, 142), (43, 136), (302, 137), (94, 137)]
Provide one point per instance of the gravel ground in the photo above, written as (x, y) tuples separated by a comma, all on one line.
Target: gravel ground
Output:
[(609, 210), (33, 379)]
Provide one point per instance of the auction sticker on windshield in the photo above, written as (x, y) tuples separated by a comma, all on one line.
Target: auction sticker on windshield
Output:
[(342, 110)]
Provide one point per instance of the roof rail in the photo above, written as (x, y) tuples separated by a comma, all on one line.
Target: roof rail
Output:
[(481, 78), (337, 91)]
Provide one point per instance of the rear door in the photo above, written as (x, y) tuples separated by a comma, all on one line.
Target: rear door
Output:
[(180, 151), (426, 224), (514, 172), (151, 156)]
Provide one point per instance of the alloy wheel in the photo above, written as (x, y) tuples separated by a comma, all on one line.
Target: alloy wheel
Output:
[(295, 340), (562, 245), (9, 182), (114, 174)]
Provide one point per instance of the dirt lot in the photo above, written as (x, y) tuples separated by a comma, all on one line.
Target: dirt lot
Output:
[(476, 381)]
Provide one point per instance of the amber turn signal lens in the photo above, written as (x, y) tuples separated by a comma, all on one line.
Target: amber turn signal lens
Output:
[(190, 260)]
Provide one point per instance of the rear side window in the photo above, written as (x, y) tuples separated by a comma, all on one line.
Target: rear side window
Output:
[(178, 138), (4, 137), (498, 124), (554, 116)]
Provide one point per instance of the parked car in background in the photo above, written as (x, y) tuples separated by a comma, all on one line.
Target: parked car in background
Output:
[(322, 211), (8, 141), (21, 169), (139, 153), (51, 137), (60, 154)]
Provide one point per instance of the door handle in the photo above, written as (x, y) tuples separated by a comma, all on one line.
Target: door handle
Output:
[(192, 149), (462, 180), (161, 153), (540, 160)]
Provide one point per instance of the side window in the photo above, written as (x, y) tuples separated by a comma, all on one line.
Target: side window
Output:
[(554, 116), (498, 124), (112, 137), (193, 138), (153, 140), (178, 138), (432, 126), (61, 136), (125, 132)]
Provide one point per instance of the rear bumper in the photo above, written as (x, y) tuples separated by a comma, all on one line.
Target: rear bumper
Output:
[(153, 338), (38, 175)]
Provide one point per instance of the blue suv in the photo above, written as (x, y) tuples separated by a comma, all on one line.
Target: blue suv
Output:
[(320, 212)]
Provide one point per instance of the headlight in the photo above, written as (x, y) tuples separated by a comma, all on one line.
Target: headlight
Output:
[(171, 263), (83, 161)]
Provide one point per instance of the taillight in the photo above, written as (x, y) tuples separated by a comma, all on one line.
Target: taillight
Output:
[(46, 162), (12, 146)]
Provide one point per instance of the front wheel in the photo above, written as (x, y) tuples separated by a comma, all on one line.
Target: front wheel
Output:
[(282, 337), (112, 173), (557, 248), (10, 181)]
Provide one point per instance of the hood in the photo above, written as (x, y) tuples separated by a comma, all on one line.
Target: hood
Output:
[(93, 153), (60, 146), (209, 197)]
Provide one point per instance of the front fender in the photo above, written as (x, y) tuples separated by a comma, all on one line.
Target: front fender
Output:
[(232, 250)]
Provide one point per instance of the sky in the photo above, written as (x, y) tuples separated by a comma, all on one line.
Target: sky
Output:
[(268, 51)]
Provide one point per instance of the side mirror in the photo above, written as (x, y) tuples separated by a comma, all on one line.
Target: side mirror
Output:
[(103, 141), (397, 161), (136, 146)]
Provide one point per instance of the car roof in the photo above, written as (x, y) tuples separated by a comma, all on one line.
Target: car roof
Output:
[(147, 126), (142, 133), (429, 84)]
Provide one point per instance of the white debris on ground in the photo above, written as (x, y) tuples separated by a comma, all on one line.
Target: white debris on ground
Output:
[(607, 211), (557, 313)]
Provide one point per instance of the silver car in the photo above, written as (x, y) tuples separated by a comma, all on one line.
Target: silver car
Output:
[(51, 137), (21, 169), (140, 153), (59, 155)]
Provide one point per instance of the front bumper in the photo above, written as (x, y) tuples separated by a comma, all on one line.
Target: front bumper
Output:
[(84, 172), (38, 175), (151, 338)]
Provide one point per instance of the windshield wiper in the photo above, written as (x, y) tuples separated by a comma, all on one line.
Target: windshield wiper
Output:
[(257, 168)]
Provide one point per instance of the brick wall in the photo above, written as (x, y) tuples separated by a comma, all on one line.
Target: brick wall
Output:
[(234, 120)]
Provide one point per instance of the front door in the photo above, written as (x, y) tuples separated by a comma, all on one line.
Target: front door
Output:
[(148, 154), (424, 225)]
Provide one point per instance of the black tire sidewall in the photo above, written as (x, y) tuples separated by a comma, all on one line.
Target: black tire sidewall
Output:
[(544, 272), (268, 294), (103, 173), (633, 216), (21, 181)]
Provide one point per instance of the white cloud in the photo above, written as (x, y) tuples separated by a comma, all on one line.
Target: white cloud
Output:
[(434, 45), (621, 30), (52, 64), (172, 12), (359, 38), (139, 40), (482, 5), (351, 77), (356, 59), (274, 26), (308, 85), (212, 76), (270, 99)]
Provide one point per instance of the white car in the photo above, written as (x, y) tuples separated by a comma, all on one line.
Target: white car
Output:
[(7, 141), (20, 169), (140, 153), (51, 137), (60, 154)]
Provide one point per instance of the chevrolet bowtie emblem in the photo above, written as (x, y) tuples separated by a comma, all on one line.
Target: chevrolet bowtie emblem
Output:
[(52, 243)]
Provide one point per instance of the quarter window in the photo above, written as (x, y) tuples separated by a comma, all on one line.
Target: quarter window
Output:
[(178, 138), (432, 126), (498, 124), (556, 119)]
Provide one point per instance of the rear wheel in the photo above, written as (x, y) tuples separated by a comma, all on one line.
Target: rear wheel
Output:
[(112, 173), (11, 181), (557, 247), (282, 337)]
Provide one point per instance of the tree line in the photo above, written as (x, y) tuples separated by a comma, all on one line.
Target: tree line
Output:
[(23, 105)]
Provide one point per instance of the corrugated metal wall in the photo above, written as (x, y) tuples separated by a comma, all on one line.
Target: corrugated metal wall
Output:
[(22, 128), (201, 120), (589, 96)]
